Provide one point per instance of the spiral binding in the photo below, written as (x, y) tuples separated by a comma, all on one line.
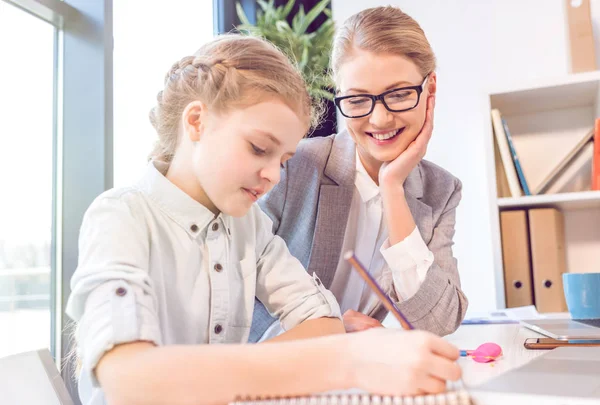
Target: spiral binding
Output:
[(449, 398)]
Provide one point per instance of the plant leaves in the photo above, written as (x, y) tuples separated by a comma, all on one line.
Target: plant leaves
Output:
[(288, 8), (241, 14), (312, 15), (310, 52)]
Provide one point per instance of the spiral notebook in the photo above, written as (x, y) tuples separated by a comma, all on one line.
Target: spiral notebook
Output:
[(460, 397)]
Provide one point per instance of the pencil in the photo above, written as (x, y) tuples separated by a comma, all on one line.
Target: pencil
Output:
[(386, 301)]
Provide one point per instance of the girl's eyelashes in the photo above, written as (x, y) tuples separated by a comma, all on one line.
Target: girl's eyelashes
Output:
[(257, 150), (261, 152)]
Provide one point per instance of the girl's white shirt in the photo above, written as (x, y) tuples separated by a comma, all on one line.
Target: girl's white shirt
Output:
[(155, 265)]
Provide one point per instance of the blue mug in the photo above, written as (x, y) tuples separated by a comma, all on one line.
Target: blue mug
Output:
[(582, 292)]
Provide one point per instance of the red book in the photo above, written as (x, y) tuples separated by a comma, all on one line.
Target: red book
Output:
[(596, 161)]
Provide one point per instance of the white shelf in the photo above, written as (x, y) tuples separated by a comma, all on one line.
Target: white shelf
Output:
[(567, 92), (565, 201), (517, 87), (546, 117)]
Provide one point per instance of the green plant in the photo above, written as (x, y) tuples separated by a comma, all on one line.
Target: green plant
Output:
[(310, 51)]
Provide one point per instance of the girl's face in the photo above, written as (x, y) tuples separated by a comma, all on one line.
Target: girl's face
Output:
[(238, 155), (383, 135)]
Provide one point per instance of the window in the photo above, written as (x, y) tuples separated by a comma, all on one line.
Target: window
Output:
[(56, 139), (148, 38), (26, 177)]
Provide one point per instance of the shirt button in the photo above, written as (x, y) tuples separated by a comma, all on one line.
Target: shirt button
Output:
[(121, 291), (215, 227), (218, 267), (194, 228), (218, 329)]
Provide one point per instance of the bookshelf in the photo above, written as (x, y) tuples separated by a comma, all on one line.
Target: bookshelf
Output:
[(562, 201), (546, 118)]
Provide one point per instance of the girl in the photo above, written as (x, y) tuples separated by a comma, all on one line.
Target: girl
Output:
[(368, 189), (172, 264)]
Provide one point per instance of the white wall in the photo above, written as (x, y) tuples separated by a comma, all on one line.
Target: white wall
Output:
[(149, 36), (481, 47)]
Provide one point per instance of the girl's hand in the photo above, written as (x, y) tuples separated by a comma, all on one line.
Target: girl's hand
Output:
[(394, 362), (394, 173), (357, 321)]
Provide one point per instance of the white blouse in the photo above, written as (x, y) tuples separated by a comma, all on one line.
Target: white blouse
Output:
[(400, 269), (155, 265)]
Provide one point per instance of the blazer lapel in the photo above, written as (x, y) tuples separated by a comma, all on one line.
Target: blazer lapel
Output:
[(333, 208), (332, 216)]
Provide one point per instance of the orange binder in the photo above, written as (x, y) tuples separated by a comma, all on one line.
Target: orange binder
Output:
[(548, 259), (515, 255), (596, 158), (581, 36)]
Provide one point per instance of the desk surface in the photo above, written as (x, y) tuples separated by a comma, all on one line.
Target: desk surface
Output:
[(509, 336)]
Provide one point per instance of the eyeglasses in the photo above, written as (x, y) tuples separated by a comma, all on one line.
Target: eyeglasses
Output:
[(395, 100)]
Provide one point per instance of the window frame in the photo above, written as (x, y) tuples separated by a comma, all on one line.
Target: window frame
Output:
[(82, 139), (225, 17)]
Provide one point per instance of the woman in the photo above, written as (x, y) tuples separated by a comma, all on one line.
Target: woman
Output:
[(367, 188)]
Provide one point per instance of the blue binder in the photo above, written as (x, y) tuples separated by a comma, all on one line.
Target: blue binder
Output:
[(515, 158)]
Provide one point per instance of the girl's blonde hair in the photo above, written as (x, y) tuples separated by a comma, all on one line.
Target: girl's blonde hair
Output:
[(231, 71), (382, 30)]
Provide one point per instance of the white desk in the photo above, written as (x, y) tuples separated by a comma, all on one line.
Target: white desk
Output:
[(509, 336)]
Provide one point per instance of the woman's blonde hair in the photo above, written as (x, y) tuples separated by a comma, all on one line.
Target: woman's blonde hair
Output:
[(231, 71), (382, 30)]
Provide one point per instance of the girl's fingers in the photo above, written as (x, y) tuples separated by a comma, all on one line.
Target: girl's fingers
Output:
[(443, 369), (443, 348), (432, 385)]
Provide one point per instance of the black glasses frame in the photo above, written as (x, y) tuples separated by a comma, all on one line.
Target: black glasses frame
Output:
[(418, 89)]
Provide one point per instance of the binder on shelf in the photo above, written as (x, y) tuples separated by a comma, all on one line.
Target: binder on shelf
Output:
[(502, 187), (503, 148), (516, 259), (515, 158), (581, 36), (548, 259), (596, 158)]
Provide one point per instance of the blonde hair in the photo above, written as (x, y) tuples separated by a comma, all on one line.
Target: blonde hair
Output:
[(382, 30), (231, 71)]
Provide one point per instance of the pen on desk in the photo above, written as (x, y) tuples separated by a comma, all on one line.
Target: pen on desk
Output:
[(387, 302), (483, 354)]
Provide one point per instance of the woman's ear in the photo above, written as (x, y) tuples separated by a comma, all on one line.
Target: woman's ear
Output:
[(432, 84), (192, 117)]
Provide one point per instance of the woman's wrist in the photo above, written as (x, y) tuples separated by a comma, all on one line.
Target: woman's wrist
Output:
[(342, 373), (399, 218), (392, 190), (393, 198)]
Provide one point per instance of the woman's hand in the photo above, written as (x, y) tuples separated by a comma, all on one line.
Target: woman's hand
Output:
[(394, 362), (393, 173), (357, 321)]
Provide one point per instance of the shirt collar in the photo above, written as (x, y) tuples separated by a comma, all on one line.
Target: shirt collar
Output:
[(180, 207), (364, 183)]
